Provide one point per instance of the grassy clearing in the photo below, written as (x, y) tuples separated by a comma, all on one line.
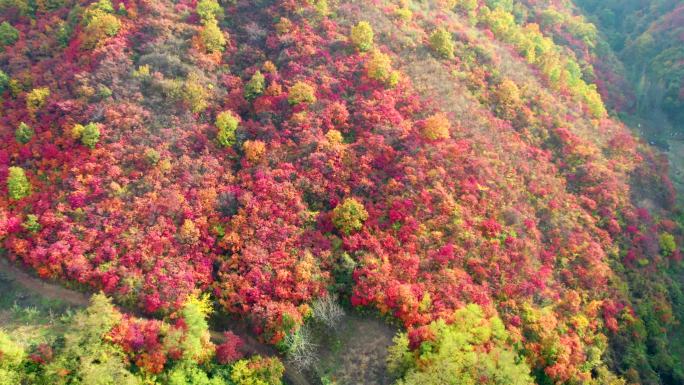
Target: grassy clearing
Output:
[(27, 316), (352, 353)]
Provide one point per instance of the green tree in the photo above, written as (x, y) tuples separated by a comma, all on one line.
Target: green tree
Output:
[(442, 44), (196, 340), (4, 81), (212, 37), (362, 36), (18, 184), (90, 135), (227, 123), (257, 371), (12, 357), (23, 133), (31, 223), (472, 350), (300, 93), (349, 216), (86, 357), (379, 67), (195, 93), (101, 24), (255, 86), (36, 99), (208, 10), (508, 98), (8, 34), (667, 244), (188, 373)]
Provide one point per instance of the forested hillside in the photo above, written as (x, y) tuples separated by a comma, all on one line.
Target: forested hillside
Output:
[(455, 167), (648, 36)]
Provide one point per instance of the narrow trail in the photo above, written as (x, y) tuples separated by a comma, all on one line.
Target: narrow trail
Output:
[(54, 291)]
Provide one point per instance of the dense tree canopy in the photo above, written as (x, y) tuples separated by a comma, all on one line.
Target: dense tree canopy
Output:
[(451, 165), (101, 346), (472, 350)]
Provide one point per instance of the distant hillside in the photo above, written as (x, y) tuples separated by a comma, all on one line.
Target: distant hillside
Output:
[(649, 39)]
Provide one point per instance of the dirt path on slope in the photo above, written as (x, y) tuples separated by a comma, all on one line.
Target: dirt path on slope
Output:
[(46, 289), (54, 291)]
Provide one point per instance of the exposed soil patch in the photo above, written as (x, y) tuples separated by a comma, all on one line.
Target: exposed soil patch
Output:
[(357, 353)]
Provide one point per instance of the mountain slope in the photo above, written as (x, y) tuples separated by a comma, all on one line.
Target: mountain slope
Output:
[(411, 157)]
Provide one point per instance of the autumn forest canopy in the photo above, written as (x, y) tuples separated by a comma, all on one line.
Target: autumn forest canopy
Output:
[(246, 192)]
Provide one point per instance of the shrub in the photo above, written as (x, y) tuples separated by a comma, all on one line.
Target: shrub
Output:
[(208, 10), (379, 68), (143, 72), (301, 92), (254, 150), (191, 92), (230, 350), (436, 127), (18, 184), (349, 216), (362, 36), (36, 99), (227, 123), (327, 311), (301, 351), (23, 133), (84, 342), (212, 37), (441, 43), (8, 34), (322, 7), (255, 86)]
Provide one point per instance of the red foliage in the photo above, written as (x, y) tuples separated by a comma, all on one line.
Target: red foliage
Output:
[(498, 213), (230, 350)]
